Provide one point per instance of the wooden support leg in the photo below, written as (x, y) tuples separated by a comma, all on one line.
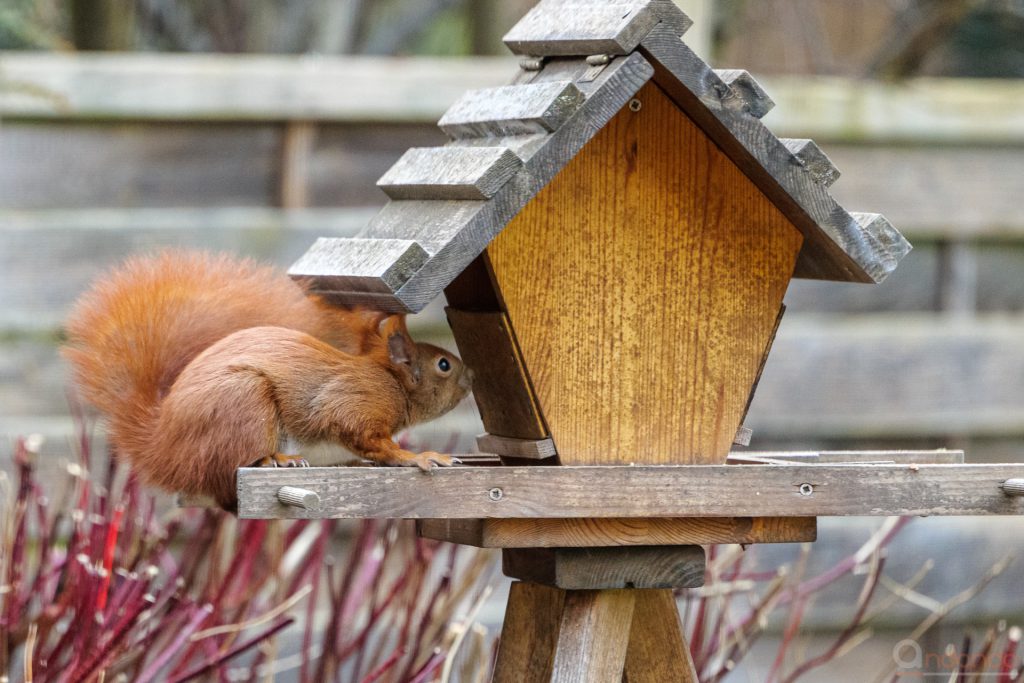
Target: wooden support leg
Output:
[(593, 636), (657, 647), (529, 635)]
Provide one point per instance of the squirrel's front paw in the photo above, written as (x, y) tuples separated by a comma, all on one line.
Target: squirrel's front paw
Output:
[(428, 460)]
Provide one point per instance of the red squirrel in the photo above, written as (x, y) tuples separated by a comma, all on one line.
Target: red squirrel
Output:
[(203, 364)]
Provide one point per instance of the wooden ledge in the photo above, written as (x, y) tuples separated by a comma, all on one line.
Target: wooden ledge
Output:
[(638, 531), (765, 490)]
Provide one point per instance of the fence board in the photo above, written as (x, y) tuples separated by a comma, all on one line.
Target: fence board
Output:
[(277, 88)]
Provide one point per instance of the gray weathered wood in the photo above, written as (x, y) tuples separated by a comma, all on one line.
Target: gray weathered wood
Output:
[(233, 88), (638, 491), (607, 568), (882, 231), (450, 173), (561, 28), (357, 264), (743, 435), (807, 152), (747, 93), (836, 247), (511, 110), (939, 457), (538, 449), (865, 378), (208, 87)]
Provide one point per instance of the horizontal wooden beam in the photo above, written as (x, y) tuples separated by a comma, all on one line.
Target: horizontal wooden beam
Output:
[(636, 491), (590, 533), (322, 88), (607, 568)]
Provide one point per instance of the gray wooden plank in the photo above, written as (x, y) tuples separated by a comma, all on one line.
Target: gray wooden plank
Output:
[(80, 244), (639, 491), (272, 88), (511, 110), (235, 88), (836, 246), (747, 94), (154, 164), (933, 457), (450, 173), (823, 171), (559, 28), (537, 449), (358, 264), (892, 376), (607, 568)]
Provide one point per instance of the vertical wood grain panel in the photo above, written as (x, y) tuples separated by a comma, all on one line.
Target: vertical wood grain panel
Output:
[(643, 284)]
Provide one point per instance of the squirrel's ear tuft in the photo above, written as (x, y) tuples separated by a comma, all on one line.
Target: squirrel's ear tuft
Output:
[(401, 347)]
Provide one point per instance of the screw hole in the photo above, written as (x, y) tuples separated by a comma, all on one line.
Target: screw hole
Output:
[(806, 489), (495, 494), (635, 104)]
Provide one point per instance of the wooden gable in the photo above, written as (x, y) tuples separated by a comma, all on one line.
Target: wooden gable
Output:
[(643, 285)]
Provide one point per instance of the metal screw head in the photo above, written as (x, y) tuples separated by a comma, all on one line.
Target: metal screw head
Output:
[(635, 104), (806, 489), (495, 494)]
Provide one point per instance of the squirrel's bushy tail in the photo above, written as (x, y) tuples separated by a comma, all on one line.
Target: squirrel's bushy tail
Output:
[(137, 328)]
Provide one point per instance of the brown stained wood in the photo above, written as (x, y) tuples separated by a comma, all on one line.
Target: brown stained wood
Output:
[(643, 284), (500, 387), (654, 491), (473, 289), (657, 651), (592, 636), (580, 533), (528, 636), (607, 567)]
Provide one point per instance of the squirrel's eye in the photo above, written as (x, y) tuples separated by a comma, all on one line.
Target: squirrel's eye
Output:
[(443, 364)]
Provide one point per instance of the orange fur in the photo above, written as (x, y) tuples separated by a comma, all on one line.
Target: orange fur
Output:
[(200, 362)]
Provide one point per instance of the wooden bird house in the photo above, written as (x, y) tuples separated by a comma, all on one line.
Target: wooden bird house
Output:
[(614, 232)]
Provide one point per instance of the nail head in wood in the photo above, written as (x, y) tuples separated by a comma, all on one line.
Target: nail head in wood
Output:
[(300, 498), (1013, 487)]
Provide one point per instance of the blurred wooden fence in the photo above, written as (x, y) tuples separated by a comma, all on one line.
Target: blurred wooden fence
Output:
[(101, 156)]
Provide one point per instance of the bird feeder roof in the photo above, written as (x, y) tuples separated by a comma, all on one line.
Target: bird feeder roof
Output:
[(581, 62)]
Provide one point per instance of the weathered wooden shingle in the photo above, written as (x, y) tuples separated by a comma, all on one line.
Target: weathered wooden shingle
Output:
[(359, 264), (512, 110), (747, 94), (817, 163), (559, 28), (450, 173)]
